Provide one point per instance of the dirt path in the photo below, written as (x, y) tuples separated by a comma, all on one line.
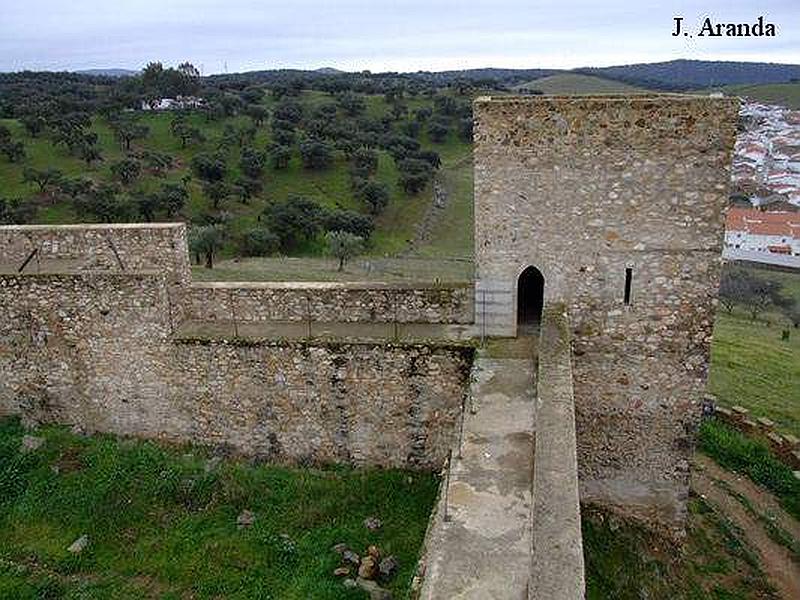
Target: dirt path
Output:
[(742, 484), (709, 480)]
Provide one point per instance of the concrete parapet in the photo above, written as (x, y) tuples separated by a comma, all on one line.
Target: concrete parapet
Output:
[(557, 570)]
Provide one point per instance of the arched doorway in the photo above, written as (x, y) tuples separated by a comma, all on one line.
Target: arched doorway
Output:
[(530, 296)]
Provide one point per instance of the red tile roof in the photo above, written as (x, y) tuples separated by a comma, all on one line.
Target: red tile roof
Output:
[(784, 224)]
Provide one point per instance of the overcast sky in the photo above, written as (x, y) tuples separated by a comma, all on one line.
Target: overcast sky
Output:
[(402, 35)]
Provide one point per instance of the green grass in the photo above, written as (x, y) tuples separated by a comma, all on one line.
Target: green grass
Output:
[(786, 94), (575, 83), (737, 452), (625, 561), (161, 525), (751, 366)]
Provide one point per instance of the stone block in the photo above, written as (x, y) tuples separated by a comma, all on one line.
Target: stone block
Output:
[(765, 424), (775, 441), (739, 412), (748, 426)]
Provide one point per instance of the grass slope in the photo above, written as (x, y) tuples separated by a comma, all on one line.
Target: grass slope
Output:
[(786, 94), (742, 454), (627, 562), (163, 525), (751, 366), (575, 83)]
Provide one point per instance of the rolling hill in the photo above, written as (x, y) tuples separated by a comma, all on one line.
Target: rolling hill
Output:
[(786, 94), (575, 83), (697, 74)]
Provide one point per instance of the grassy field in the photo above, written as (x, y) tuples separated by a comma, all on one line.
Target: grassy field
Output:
[(575, 83), (786, 94), (162, 524), (752, 366)]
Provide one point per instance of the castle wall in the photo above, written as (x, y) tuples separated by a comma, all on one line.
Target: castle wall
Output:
[(583, 189), (329, 302), (97, 349), (116, 248)]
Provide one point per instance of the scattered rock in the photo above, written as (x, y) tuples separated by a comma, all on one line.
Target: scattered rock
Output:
[(375, 591), (368, 569), (77, 430), (211, 463), (341, 571), (78, 545), (373, 523), (374, 553), (31, 443), (388, 567), (351, 557), (245, 519), (349, 583), (55, 469), (340, 548)]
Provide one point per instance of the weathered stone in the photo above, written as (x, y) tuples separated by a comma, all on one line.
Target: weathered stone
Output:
[(339, 548), (351, 557), (368, 568), (765, 424), (375, 591), (341, 571), (373, 523), (374, 552), (109, 332), (551, 192), (791, 441), (245, 519), (79, 545), (388, 567)]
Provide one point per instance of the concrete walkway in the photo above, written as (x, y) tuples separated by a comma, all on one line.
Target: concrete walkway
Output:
[(483, 550)]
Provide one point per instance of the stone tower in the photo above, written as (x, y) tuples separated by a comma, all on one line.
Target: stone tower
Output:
[(614, 206)]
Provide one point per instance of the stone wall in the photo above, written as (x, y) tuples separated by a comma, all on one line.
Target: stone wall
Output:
[(116, 248), (98, 349), (583, 189), (328, 302), (557, 559)]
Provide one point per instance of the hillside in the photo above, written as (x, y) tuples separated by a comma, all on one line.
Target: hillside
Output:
[(576, 83), (785, 94), (696, 74), (380, 127)]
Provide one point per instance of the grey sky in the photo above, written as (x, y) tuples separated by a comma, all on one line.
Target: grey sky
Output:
[(403, 35)]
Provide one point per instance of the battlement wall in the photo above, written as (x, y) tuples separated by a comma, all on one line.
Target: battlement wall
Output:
[(77, 248), (98, 349), (331, 302)]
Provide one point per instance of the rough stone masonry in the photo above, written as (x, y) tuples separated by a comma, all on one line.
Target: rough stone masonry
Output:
[(619, 203), (93, 331)]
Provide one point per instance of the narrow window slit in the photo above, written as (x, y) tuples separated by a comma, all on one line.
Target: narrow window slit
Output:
[(628, 281)]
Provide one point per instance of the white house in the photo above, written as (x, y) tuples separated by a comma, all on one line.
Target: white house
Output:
[(763, 231)]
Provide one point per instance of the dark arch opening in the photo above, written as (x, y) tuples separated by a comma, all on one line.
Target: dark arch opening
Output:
[(530, 296)]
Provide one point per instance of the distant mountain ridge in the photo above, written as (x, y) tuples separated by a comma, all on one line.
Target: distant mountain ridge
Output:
[(108, 72), (674, 75), (696, 74)]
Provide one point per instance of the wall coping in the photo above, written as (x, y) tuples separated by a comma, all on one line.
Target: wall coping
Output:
[(558, 569), (644, 97), (327, 285), (90, 226)]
